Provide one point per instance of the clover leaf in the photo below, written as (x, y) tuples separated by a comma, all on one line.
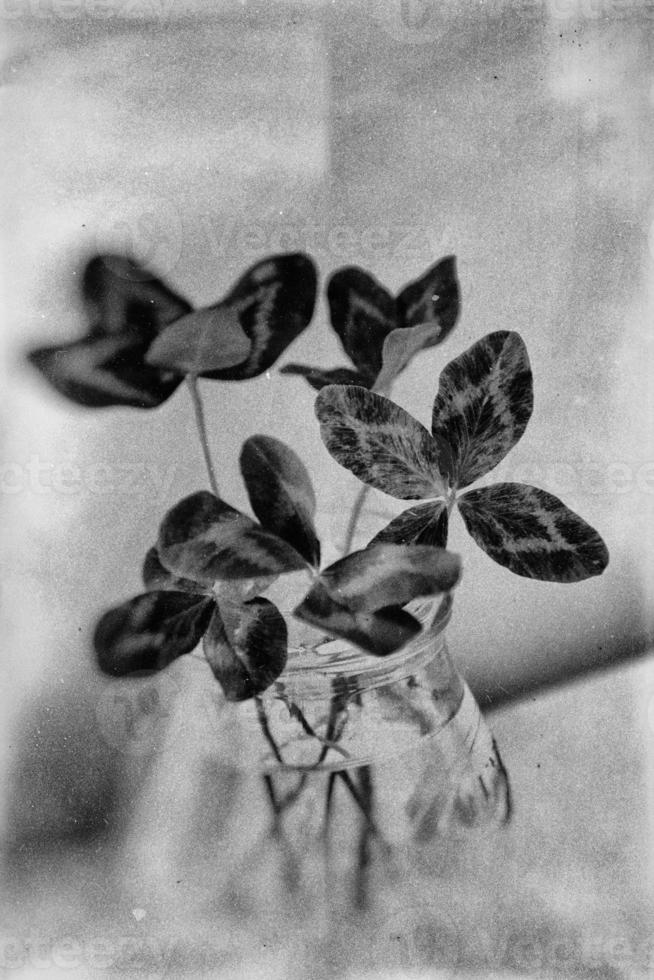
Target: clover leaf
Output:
[(360, 597), (281, 494), (143, 338), (388, 574), (269, 306), (151, 630), (484, 401), (127, 307), (205, 539), (532, 533), (382, 632), (422, 524), (248, 657), (481, 410), (379, 442), (381, 333)]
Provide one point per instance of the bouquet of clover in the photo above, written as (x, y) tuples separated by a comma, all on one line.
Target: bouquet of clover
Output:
[(205, 579)]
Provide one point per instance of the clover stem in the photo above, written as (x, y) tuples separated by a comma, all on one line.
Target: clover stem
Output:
[(364, 806), (265, 729), (327, 826), (192, 381), (362, 883), (354, 518)]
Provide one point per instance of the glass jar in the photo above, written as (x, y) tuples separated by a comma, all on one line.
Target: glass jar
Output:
[(327, 790)]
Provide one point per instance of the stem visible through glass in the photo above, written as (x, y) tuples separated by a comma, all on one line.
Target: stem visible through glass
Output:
[(192, 381), (354, 518)]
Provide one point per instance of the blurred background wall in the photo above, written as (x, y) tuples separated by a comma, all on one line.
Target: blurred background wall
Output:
[(517, 136)]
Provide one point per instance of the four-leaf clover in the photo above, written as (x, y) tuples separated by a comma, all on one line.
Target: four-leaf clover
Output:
[(481, 410), (203, 575)]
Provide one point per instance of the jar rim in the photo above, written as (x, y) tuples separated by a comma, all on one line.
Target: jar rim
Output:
[(342, 657)]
